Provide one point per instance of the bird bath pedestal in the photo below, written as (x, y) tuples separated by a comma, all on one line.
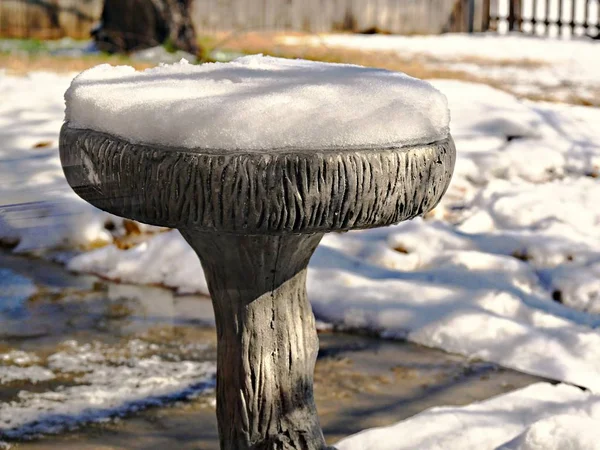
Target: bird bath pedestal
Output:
[(255, 218)]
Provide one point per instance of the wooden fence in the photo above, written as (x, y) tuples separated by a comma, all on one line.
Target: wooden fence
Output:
[(56, 18), (389, 16), (46, 19), (546, 17)]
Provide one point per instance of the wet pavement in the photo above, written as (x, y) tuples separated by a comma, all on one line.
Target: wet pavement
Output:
[(360, 381)]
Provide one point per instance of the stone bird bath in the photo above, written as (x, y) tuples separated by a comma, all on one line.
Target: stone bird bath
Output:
[(254, 218)]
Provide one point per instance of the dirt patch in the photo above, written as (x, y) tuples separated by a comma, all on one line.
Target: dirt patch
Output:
[(22, 64)]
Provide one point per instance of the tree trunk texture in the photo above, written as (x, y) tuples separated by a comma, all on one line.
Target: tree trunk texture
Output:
[(267, 341), (131, 25)]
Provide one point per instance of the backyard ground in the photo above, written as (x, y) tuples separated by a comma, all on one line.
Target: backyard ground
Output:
[(106, 337), (80, 323)]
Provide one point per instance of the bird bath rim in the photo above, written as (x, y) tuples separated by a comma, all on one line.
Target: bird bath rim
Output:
[(290, 150), (257, 192)]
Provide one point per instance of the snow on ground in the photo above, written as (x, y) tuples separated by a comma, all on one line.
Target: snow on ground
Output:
[(538, 417), (505, 269), (37, 207), (550, 68), (102, 382), (239, 105)]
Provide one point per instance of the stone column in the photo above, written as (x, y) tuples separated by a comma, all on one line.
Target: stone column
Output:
[(267, 341)]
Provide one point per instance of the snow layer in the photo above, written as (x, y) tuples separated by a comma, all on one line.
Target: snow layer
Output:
[(166, 259), (525, 65), (513, 46), (108, 382), (561, 432), (258, 102), (38, 209), (31, 374), (540, 417)]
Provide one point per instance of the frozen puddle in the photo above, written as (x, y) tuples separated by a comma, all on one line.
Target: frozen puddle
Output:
[(75, 351), (16, 289)]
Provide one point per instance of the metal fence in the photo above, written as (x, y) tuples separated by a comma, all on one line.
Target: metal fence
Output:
[(563, 18)]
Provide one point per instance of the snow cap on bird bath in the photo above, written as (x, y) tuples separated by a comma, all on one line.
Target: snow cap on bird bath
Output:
[(253, 161), (258, 103)]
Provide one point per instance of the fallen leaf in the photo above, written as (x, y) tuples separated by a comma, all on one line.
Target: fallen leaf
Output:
[(43, 144)]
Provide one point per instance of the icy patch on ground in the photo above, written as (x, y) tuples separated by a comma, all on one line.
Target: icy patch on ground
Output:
[(16, 289), (258, 102), (539, 417), (106, 382)]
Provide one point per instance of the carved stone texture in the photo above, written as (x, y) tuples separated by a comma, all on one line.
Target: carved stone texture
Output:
[(254, 219), (267, 342), (278, 192)]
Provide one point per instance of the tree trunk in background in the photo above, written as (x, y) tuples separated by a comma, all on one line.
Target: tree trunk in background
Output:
[(130, 25)]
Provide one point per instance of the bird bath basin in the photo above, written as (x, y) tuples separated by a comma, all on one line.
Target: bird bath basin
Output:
[(254, 217)]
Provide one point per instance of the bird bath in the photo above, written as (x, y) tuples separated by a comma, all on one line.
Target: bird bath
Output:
[(254, 217)]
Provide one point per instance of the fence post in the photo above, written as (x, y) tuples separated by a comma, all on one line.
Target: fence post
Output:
[(586, 17), (560, 18), (514, 15), (458, 22), (470, 15), (485, 15), (573, 24), (598, 21)]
